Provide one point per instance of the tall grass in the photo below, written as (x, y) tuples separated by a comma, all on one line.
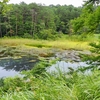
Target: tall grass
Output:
[(76, 86), (60, 44), (23, 95)]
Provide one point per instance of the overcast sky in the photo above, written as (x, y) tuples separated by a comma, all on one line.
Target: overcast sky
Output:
[(76, 3)]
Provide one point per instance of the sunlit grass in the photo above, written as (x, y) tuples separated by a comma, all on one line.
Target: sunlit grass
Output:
[(70, 45), (61, 44)]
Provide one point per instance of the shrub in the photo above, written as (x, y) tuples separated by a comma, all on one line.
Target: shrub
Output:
[(27, 35)]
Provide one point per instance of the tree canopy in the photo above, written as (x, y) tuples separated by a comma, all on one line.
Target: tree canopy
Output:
[(88, 2), (3, 6), (89, 20), (38, 20)]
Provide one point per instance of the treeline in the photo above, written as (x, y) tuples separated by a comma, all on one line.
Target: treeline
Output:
[(37, 20)]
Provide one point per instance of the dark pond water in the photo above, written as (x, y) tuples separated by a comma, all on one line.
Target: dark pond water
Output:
[(13, 66)]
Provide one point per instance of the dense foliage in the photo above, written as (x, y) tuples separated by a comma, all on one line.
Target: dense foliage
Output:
[(4, 8), (37, 20), (89, 21)]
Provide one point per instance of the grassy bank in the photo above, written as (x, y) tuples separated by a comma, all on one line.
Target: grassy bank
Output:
[(61, 44)]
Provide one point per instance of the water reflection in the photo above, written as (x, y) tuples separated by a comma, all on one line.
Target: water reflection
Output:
[(10, 73), (23, 63), (65, 66), (12, 67)]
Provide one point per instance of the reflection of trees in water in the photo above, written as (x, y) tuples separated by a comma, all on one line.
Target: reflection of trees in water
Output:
[(24, 63)]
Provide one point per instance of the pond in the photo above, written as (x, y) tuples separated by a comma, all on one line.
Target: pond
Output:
[(66, 66), (13, 66)]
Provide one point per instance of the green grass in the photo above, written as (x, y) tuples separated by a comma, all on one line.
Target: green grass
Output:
[(23, 95), (77, 42), (63, 43), (39, 85), (62, 87)]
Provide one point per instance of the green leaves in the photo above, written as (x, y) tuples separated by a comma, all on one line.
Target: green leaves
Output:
[(88, 21), (4, 7), (89, 2)]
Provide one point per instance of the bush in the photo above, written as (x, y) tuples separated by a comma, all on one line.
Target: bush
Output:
[(47, 34), (27, 35)]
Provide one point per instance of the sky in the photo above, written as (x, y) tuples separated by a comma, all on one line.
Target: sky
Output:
[(75, 3)]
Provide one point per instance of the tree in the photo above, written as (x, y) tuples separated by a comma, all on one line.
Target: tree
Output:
[(65, 14), (93, 21), (89, 2), (34, 19), (4, 8), (88, 22)]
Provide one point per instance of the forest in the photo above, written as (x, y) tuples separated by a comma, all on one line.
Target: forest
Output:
[(41, 21), (37, 20), (38, 41)]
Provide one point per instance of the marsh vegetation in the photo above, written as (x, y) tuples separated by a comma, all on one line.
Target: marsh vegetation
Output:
[(39, 36)]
